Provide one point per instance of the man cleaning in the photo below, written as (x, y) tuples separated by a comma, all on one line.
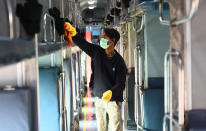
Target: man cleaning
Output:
[(109, 76)]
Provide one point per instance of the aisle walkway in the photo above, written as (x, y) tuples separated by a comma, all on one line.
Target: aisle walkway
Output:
[(88, 118), (88, 121)]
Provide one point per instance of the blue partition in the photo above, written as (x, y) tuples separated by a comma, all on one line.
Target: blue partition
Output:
[(49, 110), (156, 43), (131, 85)]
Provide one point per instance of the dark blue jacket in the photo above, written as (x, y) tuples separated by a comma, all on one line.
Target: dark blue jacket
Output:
[(109, 72)]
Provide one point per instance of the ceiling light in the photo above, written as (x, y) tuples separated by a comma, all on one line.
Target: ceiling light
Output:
[(91, 2), (91, 7)]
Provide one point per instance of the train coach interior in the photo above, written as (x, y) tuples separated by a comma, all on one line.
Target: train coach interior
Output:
[(45, 78)]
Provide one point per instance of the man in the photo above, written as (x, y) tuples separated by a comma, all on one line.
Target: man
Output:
[(109, 77)]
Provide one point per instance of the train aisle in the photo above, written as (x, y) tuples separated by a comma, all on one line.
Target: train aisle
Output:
[(88, 118)]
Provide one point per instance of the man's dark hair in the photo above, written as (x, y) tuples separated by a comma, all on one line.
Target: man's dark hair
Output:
[(112, 33)]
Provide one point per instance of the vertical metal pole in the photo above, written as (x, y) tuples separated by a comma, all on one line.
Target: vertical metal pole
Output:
[(166, 82), (71, 90), (37, 85), (44, 28), (126, 103), (76, 77), (166, 88), (64, 94), (11, 19), (181, 91), (170, 94), (64, 102), (60, 101), (136, 86), (80, 72), (188, 72), (140, 84)]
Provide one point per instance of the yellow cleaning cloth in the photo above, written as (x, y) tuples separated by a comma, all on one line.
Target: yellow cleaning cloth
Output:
[(68, 27)]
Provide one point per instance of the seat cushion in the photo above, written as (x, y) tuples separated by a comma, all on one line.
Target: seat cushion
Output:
[(16, 110), (197, 120)]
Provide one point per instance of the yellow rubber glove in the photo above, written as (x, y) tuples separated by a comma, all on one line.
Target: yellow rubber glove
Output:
[(68, 27), (107, 95)]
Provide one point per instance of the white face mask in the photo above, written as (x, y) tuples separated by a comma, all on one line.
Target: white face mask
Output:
[(103, 43)]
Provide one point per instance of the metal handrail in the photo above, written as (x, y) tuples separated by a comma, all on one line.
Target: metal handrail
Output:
[(194, 8), (80, 78), (175, 122), (141, 26), (71, 91), (140, 85), (168, 90), (138, 88), (64, 101), (161, 19), (166, 81), (11, 19), (76, 77), (44, 27), (60, 101), (125, 100)]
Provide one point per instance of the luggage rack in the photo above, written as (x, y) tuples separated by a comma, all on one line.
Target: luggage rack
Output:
[(14, 50)]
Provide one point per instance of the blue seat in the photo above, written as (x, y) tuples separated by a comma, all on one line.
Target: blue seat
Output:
[(154, 104), (16, 110), (131, 86), (197, 120), (153, 109), (49, 110)]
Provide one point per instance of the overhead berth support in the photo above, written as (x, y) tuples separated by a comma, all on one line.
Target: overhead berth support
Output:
[(194, 8), (161, 18)]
